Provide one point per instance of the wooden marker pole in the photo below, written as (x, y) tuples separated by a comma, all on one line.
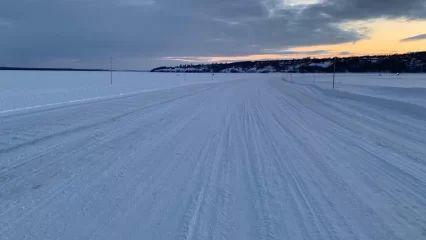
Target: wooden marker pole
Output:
[(110, 68), (334, 71)]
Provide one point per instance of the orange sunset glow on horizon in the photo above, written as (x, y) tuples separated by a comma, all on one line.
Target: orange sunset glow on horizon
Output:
[(146, 34), (382, 37)]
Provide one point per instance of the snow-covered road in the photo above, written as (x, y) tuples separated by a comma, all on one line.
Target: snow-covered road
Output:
[(244, 159)]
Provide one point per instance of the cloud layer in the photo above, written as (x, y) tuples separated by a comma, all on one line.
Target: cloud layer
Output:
[(142, 33), (414, 38)]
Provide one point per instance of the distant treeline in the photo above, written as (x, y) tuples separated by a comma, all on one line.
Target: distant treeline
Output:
[(396, 63)]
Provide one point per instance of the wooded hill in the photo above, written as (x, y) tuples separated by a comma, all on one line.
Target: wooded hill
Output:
[(396, 63)]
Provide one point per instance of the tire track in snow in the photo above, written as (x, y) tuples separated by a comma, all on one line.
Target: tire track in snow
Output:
[(253, 159), (86, 147)]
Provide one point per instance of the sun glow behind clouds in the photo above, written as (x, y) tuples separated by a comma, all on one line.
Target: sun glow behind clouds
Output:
[(300, 2), (382, 37)]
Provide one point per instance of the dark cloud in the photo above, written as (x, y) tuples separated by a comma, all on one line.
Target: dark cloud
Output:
[(339, 10), (414, 38), (344, 53), (139, 33)]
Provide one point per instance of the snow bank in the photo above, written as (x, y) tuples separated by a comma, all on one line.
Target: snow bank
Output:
[(407, 88), (393, 105)]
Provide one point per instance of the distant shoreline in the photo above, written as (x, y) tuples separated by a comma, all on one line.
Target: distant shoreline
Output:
[(65, 69), (396, 63)]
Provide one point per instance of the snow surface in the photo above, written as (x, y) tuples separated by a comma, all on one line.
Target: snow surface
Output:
[(254, 158), (410, 88), (26, 89), (324, 64)]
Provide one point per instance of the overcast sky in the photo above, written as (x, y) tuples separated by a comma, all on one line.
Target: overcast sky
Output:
[(142, 34)]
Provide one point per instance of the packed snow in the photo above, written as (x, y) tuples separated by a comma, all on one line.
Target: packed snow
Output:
[(242, 156)]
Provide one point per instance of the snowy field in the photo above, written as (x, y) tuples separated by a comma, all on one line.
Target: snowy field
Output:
[(409, 88), (23, 89), (274, 156)]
